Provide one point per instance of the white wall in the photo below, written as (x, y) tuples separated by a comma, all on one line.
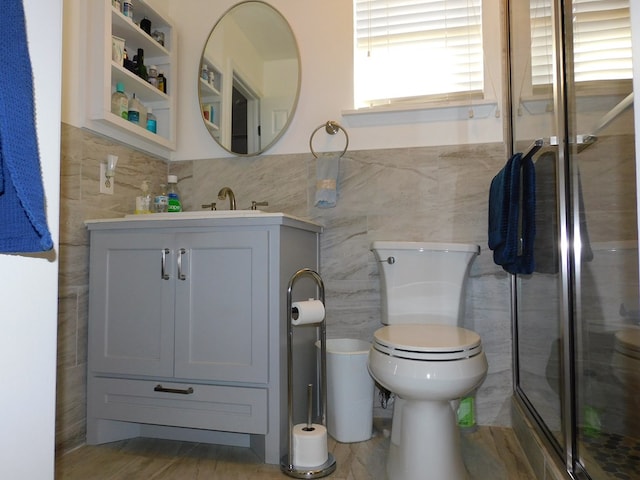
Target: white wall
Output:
[(28, 297), (323, 29)]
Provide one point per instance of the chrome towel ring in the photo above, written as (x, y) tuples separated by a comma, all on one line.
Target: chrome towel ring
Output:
[(331, 128)]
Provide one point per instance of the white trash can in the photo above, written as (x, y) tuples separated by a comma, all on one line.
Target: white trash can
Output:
[(349, 390)]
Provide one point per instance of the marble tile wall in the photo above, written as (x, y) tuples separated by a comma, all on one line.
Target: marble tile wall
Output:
[(434, 193), (431, 193)]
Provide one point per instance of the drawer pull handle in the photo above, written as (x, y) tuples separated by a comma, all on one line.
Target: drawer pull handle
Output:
[(163, 267), (181, 391)]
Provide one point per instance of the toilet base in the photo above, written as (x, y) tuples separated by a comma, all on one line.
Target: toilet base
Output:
[(425, 442)]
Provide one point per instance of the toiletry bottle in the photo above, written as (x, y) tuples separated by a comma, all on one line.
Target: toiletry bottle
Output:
[(205, 73), (161, 200), (152, 123), (153, 75), (143, 201), (174, 204), (145, 25), (162, 82), (127, 10), (134, 109), (141, 70), (120, 102)]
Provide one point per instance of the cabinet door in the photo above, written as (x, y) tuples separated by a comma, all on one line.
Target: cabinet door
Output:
[(131, 304), (222, 307)]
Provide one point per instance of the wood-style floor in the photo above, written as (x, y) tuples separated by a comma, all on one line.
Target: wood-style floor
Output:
[(491, 453)]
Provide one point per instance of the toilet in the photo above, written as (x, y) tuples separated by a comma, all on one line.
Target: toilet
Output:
[(626, 369), (423, 356)]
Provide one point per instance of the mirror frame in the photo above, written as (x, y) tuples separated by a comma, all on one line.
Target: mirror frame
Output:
[(294, 103)]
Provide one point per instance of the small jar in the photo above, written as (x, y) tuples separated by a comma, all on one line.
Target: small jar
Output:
[(127, 10), (158, 36)]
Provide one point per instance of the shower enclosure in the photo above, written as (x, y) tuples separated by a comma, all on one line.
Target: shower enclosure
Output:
[(571, 93)]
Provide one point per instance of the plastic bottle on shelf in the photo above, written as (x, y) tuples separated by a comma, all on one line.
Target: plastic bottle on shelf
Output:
[(205, 72), (120, 102), (161, 200), (134, 110), (127, 9), (173, 203), (152, 122), (153, 75), (162, 82)]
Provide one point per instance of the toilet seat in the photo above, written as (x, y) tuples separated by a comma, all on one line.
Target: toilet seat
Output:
[(427, 342), (627, 342)]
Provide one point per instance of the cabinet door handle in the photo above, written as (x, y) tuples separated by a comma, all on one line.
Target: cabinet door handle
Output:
[(181, 275), (163, 267), (181, 391)]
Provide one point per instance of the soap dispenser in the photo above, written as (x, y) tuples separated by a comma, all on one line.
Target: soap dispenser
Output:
[(143, 202)]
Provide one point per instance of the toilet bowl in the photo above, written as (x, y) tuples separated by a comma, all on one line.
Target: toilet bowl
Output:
[(423, 356), (426, 366), (626, 357), (625, 367)]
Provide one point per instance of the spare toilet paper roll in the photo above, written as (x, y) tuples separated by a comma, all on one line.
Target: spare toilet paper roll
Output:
[(309, 446), (305, 313)]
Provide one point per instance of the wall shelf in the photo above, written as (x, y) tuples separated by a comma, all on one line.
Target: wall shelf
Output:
[(103, 74)]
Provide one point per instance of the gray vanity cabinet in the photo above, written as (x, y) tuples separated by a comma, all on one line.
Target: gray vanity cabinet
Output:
[(190, 306), (186, 329)]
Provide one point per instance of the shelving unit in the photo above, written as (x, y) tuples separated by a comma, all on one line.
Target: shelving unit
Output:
[(105, 21), (210, 97)]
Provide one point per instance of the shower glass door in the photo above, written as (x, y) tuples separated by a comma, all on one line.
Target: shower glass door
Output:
[(603, 222), (577, 317)]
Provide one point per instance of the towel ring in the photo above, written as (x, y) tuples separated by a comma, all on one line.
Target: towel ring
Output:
[(331, 128)]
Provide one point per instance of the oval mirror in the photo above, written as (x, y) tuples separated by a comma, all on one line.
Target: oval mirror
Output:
[(249, 78)]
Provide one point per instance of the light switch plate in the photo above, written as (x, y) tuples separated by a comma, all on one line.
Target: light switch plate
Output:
[(103, 179)]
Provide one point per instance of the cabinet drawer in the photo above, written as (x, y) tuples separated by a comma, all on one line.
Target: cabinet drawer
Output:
[(211, 407)]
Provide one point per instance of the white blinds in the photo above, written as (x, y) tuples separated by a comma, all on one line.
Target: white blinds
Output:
[(414, 48), (602, 40)]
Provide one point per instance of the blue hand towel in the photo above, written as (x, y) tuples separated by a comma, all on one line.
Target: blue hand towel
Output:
[(327, 169), (23, 224), (512, 215)]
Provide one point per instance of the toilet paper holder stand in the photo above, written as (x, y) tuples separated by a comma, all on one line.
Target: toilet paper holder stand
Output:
[(286, 463)]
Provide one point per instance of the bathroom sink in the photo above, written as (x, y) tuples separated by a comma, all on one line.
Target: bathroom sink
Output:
[(199, 214)]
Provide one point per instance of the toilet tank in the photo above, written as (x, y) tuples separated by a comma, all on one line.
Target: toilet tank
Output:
[(423, 282)]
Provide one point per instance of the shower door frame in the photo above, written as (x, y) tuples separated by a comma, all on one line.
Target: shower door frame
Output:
[(566, 453)]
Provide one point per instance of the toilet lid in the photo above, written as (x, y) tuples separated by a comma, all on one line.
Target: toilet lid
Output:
[(427, 342), (628, 342)]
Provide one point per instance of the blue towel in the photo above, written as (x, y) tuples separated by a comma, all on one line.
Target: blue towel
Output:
[(23, 224), (327, 168), (512, 215)]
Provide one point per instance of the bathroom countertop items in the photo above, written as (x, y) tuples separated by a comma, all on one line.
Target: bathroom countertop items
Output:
[(22, 203), (512, 203)]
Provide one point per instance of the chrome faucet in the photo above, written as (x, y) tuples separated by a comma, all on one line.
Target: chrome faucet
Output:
[(223, 193)]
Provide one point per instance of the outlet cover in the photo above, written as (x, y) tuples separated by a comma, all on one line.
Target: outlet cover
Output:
[(102, 180)]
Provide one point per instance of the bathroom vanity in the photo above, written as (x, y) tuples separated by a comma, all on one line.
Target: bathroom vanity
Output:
[(187, 327)]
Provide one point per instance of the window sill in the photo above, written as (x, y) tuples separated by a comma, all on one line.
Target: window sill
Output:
[(422, 113)]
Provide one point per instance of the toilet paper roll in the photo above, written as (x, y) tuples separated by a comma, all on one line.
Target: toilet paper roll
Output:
[(309, 446), (305, 313)]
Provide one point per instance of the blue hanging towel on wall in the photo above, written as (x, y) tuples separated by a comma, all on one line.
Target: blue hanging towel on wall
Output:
[(23, 223), (512, 201)]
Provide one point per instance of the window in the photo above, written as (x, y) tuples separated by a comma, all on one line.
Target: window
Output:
[(602, 41), (417, 50)]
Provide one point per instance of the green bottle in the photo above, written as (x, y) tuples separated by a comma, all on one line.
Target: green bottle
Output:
[(174, 204)]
